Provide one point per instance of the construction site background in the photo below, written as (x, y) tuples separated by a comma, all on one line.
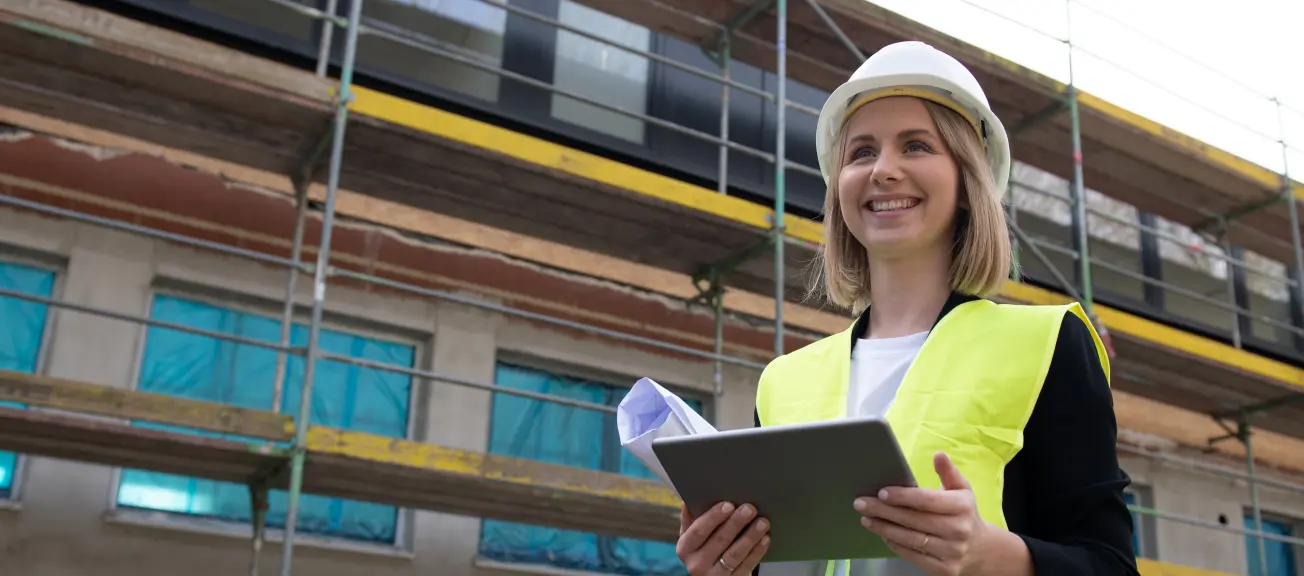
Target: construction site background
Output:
[(473, 329)]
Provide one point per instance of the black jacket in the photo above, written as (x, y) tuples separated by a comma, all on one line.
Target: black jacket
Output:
[(1064, 491)]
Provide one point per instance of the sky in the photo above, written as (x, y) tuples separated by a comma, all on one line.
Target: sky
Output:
[(1202, 67)]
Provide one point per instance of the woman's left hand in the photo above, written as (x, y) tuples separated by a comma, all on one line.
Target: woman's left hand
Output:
[(939, 531)]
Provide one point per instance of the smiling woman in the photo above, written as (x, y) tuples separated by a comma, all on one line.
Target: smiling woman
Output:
[(1003, 412)]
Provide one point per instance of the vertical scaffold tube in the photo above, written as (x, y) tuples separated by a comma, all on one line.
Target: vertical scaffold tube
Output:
[(327, 32), (722, 185), (717, 302), (291, 286), (1243, 431), (1079, 188), (304, 414), (780, 167), (1288, 193), (1016, 271)]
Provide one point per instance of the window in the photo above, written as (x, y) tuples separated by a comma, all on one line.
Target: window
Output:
[(21, 335), (205, 368), (1281, 556), (601, 72), (550, 432), (1143, 525), (470, 28)]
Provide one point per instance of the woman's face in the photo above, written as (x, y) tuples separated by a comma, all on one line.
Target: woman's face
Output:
[(899, 186)]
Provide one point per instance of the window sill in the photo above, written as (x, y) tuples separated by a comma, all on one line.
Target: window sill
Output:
[(177, 523), (541, 569)]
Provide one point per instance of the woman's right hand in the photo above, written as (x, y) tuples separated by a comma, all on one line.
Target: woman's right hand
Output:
[(722, 541)]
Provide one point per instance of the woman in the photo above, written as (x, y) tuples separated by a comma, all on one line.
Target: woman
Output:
[(1003, 412)]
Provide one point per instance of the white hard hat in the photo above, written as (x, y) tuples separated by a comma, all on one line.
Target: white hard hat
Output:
[(915, 69)]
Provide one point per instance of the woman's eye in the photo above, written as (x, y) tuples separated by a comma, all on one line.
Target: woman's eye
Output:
[(917, 147), (860, 153)]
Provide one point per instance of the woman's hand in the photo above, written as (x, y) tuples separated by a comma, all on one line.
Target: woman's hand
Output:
[(937, 530), (722, 541)]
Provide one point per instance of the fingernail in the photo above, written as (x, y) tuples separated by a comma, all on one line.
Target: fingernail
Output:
[(762, 525), (727, 508), (860, 504), (866, 522), (746, 511), (882, 494), (765, 541)]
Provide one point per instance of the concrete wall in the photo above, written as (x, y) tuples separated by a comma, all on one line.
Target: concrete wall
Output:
[(1180, 491), (62, 522)]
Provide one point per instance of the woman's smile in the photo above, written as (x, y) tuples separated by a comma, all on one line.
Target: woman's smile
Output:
[(892, 207)]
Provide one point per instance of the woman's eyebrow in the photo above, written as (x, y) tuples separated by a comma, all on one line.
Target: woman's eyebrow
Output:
[(865, 137)]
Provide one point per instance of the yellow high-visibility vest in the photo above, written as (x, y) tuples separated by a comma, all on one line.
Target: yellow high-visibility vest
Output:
[(968, 393)]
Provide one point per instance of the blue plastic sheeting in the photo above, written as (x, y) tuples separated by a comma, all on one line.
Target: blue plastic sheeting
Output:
[(550, 432), (1281, 556), (1130, 498), (22, 330), (205, 368)]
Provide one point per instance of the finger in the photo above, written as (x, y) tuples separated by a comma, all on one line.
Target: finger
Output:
[(950, 474), (925, 500), (924, 522), (927, 562), (702, 527), (915, 540), (741, 549), (685, 519), (754, 557), (727, 532)]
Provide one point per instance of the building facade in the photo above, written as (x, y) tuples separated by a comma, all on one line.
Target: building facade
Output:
[(62, 518)]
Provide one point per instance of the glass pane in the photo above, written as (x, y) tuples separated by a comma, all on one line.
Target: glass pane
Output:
[(550, 432), (1281, 556), (539, 430), (263, 14), (344, 396), (470, 28), (601, 72), (22, 332)]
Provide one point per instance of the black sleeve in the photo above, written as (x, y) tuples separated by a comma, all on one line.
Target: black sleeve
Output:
[(1077, 521)]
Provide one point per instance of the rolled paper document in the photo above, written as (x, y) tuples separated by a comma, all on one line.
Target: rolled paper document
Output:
[(649, 412)]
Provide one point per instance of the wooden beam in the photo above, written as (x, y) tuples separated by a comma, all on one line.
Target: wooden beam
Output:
[(98, 400)]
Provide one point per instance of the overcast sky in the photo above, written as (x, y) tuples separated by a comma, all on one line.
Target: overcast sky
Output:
[(1204, 68)]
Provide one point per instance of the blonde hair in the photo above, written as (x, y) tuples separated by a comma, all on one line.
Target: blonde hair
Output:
[(981, 256)]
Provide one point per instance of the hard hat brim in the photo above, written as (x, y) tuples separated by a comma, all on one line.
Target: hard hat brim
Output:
[(833, 114)]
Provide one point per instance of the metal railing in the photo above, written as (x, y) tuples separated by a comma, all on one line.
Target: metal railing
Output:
[(322, 271)]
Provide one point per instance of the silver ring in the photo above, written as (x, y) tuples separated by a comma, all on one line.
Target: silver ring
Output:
[(726, 566)]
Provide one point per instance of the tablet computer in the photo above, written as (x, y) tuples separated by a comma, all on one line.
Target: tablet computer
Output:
[(803, 477)]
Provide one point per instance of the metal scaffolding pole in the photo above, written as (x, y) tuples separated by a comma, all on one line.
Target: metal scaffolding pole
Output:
[(304, 415), (1081, 236), (1288, 194), (780, 168), (291, 287), (1243, 434), (722, 183)]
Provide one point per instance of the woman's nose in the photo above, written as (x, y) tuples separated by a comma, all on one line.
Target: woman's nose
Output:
[(887, 169)]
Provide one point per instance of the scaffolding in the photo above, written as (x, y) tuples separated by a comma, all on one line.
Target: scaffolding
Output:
[(291, 446)]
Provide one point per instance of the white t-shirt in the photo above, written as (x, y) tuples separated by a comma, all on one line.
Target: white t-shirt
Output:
[(878, 367)]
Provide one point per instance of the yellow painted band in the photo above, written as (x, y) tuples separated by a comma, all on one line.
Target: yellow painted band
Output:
[(1153, 568), (418, 455), (1216, 156), (622, 176), (543, 153)]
